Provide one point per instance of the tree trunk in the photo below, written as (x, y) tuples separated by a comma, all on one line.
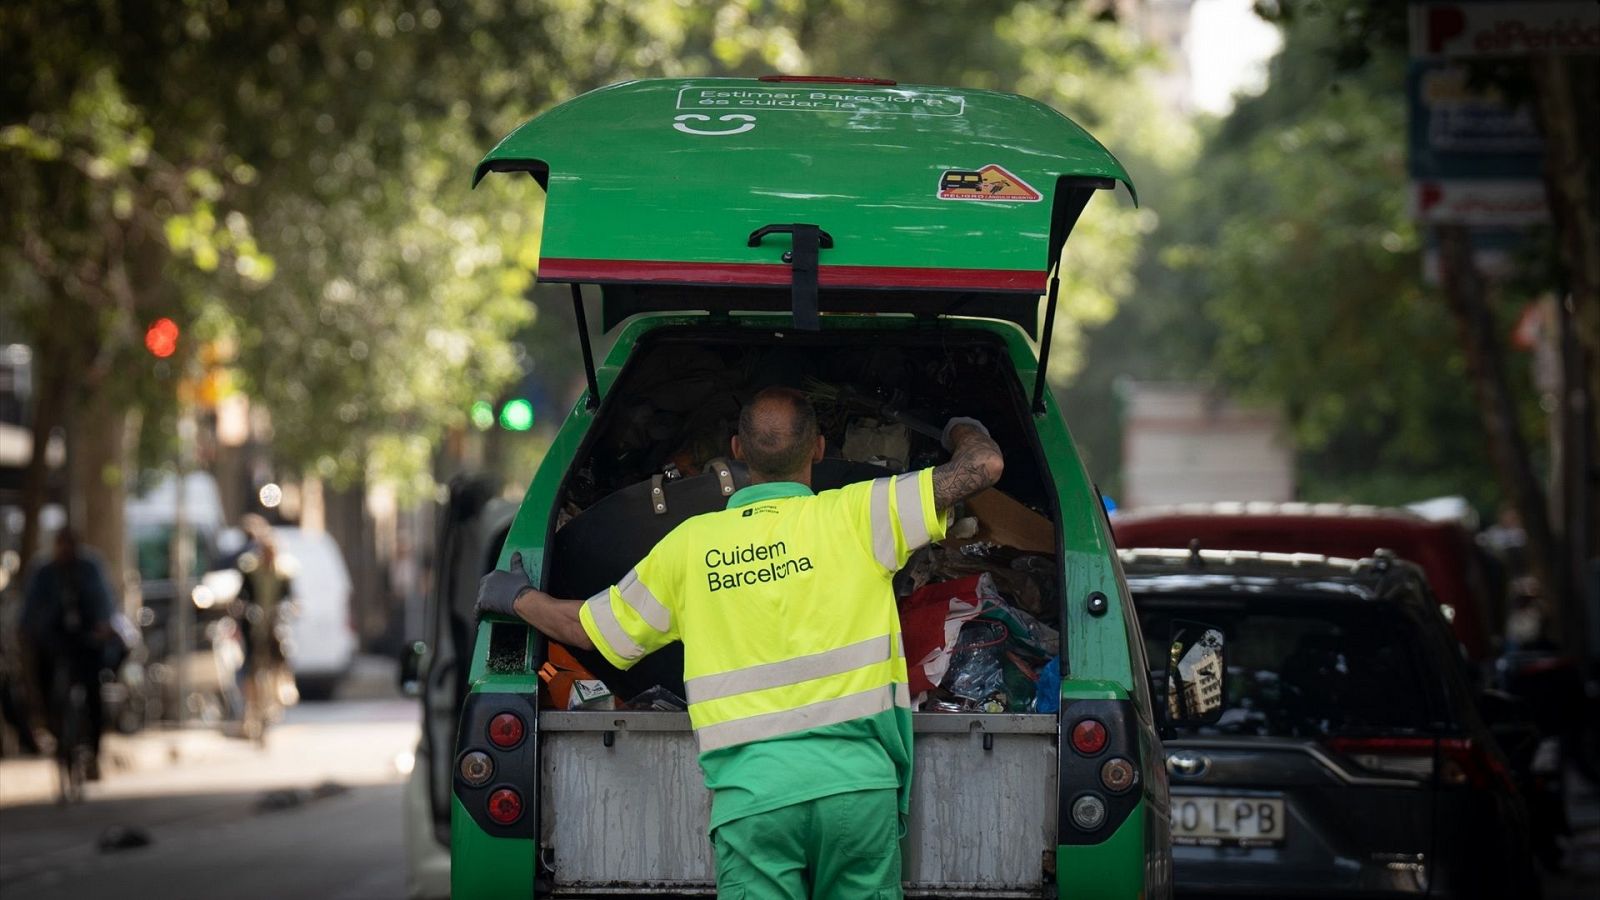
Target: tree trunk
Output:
[(351, 526), (1467, 294), (1566, 86), (97, 436), (49, 406)]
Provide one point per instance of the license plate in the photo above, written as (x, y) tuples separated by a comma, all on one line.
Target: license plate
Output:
[(1227, 821)]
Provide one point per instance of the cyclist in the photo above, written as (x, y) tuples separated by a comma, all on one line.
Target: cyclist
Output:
[(261, 611), (66, 618)]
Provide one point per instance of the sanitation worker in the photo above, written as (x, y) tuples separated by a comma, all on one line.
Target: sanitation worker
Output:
[(793, 664)]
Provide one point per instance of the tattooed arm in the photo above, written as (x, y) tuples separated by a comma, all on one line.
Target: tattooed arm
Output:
[(975, 465)]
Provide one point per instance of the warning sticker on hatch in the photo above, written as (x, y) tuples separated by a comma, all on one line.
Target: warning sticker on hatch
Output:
[(988, 183)]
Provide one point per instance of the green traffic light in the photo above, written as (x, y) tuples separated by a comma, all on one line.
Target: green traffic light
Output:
[(482, 415), (516, 415)]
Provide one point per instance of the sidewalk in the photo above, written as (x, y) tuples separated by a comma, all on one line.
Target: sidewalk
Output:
[(33, 779), (1582, 859), (204, 751)]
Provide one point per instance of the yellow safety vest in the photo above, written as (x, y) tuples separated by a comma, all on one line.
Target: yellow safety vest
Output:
[(785, 606)]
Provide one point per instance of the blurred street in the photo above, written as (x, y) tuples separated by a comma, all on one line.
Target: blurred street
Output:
[(314, 814), (535, 449)]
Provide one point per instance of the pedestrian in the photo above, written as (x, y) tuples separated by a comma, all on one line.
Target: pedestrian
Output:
[(793, 664), (261, 611), (66, 621)]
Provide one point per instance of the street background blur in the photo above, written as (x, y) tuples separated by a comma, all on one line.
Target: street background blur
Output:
[(242, 273)]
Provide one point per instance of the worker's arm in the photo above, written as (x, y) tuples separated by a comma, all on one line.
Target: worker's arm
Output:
[(556, 618), (508, 593), (975, 464)]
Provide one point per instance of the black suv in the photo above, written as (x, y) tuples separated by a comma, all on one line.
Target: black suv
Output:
[(1347, 756)]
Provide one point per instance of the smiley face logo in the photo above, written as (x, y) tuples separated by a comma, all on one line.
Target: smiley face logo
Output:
[(681, 123)]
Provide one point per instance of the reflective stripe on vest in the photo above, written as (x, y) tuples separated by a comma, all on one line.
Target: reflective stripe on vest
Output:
[(882, 528), (638, 597), (827, 712), (790, 671), (907, 490), (606, 622), (908, 500)]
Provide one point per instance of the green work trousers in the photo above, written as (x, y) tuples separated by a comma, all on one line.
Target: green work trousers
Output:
[(842, 847)]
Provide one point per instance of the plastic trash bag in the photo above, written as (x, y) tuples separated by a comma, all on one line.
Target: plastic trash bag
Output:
[(977, 671)]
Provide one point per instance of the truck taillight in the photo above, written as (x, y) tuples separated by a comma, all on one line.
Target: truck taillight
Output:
[(506, 730), (1089, 736), (505, 806), (1089, 812), (1118, 775), (476, 767), (1097, 780)]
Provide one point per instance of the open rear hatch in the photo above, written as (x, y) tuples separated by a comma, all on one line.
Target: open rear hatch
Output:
[(809, 196)]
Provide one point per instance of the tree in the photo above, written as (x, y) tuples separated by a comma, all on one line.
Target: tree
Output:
[(294, 182), (1562, 90)]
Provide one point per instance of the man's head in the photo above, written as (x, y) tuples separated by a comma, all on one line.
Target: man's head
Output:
[(778, 436), (66, 545)]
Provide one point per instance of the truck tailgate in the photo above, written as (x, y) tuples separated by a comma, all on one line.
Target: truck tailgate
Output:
[(623, 809)]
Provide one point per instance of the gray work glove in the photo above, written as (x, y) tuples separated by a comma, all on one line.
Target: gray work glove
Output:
[(498, 590), (951, 426)]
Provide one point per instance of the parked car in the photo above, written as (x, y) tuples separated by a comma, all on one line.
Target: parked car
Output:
[(1454, 564), (1347, 756), (322, 644)]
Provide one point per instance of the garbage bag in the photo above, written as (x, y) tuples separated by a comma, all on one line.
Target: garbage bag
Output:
[(976, 671)]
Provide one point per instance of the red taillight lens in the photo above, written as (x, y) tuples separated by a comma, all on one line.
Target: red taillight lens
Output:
[(1088, 737), (506, 730), (1461, 762), (1407, 757), (505, 806)]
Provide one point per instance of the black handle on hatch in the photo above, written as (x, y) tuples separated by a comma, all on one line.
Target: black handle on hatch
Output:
[(825, 242)]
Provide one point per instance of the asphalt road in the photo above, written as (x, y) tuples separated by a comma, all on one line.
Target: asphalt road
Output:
[(315, 814)]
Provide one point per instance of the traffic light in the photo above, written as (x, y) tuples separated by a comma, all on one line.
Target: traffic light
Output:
[(517, 415), (161, 338), (482, 415)]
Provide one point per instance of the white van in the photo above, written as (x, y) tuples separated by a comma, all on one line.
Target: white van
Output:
[(322, 642)]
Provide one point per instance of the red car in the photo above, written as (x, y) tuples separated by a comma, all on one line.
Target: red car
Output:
[(1445, 551)]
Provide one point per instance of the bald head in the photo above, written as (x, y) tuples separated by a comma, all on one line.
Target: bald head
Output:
[(778, 436)]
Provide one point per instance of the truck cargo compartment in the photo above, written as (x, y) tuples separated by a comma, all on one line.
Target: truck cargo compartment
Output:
[(624, 808)]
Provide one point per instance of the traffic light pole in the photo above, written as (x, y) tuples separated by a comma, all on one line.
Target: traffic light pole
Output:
[(182, 559)]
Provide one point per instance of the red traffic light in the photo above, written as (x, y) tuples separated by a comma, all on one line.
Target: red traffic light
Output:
[(161, 338)]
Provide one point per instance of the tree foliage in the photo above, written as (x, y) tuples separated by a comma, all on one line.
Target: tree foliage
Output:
[(290, 180), (1288, 269)]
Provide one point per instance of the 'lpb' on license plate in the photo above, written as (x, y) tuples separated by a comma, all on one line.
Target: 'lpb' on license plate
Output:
[(1218, 821)]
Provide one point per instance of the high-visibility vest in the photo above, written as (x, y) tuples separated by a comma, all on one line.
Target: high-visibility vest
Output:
[(784, 603)]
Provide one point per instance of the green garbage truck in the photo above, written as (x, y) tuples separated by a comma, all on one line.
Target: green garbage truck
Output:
[(892, 250)]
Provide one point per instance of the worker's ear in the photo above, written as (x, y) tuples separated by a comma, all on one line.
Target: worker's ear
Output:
[(738, 449), (822, 444)]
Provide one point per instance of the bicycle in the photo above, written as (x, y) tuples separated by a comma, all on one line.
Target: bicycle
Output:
[(70, 698)]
